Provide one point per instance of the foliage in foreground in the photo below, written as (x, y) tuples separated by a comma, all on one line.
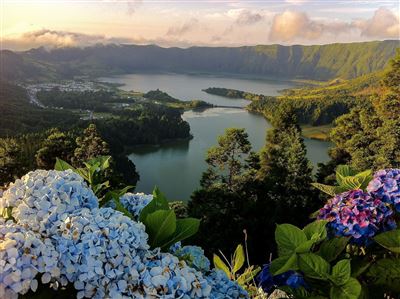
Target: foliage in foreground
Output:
[(350, 251)]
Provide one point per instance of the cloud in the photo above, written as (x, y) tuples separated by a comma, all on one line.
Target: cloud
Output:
[(186, 27), (384, 23), (55, 39), (296, 2), (247, 17), (291, 25)]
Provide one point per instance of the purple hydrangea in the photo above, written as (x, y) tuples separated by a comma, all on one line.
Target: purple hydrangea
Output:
[(386, 186), (358, 215)]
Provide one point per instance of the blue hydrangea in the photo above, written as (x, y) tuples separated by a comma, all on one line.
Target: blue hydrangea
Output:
[(41, 198), (133, 202), (269, 282), (101, 252), (168, 277), (193, 255), (223, 287), (23, 255), (386, 186)]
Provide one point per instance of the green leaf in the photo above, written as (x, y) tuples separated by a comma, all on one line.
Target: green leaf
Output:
[(390, 240), (160, 225), (344, 171), (305, 247), (314, 266), (248, 275), (185, 228), (219, 264), (278, 263), (288, 237), (386, 272), (364, 178), (238, 259), (290, 264), (330, 190), (316, 229), (341, 272), (159, 202), (61, 165), (350, 290), (121, 208), (330, 249)]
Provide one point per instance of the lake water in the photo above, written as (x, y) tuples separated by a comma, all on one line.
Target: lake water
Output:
[(176, 167)]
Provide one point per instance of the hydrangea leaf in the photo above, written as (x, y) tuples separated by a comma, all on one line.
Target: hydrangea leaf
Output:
[(185, 228), (316, 228), (160, 225), (159, 202), (341, 272), (238, 258), (290, 264), (314, 266), (386, 273), (330, 249), (288, 237), (61, 165), (390, 240), (343, 171), (350, 290)]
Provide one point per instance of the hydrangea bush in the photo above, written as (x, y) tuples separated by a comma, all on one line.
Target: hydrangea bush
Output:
[(351, 251), (53, 233)]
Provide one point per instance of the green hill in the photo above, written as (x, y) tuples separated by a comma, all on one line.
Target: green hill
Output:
[(319, 62)]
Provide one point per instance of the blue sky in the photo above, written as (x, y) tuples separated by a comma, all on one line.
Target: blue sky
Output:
[(32, 23)]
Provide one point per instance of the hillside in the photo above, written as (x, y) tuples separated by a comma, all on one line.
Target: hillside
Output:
[(319, 62)]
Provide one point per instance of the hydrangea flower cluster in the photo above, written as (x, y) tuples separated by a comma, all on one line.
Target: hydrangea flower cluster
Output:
[(61, 236), (24, 254), (386, 186), (134, 203), (269, 282), (41, 199), (223, 287), (193, 255), (358, 215), (166, 275)]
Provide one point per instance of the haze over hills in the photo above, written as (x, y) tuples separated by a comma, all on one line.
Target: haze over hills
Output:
[(318, 62)]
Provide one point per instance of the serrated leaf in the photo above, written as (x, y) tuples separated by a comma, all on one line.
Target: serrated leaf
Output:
[(343, 171), (314, 266), (219, 264), (386, 272), (390, 240), (238, 258), (350, 290), (288, 237), (330, 190), (341, 272)]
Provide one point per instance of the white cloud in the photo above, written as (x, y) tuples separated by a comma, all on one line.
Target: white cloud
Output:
[(384, 23), (186, 27)]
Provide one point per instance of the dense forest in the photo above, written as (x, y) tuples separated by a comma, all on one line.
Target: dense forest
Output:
[(319, 62)]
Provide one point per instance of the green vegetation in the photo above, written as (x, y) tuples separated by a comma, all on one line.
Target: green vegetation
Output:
[(319, 62), (160, 97), (368, 137)]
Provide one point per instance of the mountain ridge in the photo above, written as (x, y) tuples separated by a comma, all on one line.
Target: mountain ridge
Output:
[(316, 62)]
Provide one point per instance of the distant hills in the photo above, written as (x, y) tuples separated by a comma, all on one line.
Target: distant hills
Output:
[(318, 62)]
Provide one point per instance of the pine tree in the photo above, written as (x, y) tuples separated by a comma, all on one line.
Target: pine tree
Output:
[(89, 146)]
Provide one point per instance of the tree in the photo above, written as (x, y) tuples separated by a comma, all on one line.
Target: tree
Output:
[(57, 145), (89, 146), (227, 161), (10, 163), (284, 168)]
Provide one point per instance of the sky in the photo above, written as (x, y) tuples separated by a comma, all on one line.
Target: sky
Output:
[(26, 24)]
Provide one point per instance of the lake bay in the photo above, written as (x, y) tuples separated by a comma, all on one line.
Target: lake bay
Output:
[(176, 167)]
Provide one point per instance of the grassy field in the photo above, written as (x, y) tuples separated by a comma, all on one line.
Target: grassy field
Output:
[(317, 132)]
